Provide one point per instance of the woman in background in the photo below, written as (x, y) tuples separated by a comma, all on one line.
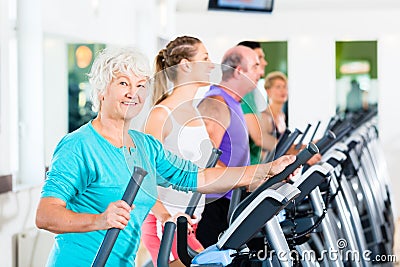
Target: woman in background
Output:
[(276, 85), (277, 91)]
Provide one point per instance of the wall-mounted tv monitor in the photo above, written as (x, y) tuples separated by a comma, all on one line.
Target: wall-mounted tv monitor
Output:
[(242, 5)]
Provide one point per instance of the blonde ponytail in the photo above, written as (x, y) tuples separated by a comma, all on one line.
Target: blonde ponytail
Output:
[(166, 64), (160, 79)]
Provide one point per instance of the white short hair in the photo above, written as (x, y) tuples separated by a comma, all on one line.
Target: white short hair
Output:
[(111, 61)]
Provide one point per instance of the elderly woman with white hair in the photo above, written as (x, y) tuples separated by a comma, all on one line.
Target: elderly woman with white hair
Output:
[(92, 166)]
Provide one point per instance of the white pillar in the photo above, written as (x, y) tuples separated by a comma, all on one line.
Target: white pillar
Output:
[(145, 37), (55, 86), (388, 108), (4, 94), (30, 78), (311, 67)]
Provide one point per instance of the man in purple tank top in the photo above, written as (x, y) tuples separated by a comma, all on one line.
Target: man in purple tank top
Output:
[(224, 120)]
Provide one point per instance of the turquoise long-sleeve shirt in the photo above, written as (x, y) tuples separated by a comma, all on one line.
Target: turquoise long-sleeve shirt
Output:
[(88, 173)]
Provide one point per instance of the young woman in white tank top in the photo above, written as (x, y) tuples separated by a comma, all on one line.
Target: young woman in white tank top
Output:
[(188, 142), (176, 122)]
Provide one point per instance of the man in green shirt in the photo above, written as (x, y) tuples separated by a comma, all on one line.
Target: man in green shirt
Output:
[(252, 104)]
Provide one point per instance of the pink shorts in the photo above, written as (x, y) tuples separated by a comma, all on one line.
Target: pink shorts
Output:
[(151, 238)]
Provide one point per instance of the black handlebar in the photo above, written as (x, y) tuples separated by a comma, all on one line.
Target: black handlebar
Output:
[(168, 234), (300, 143), (181, 236), (332, 138), (324, 144), (214, 157), (325, 141), (111, 236), (315, 131), (282, 139), (165, 247), (194, 200), (289, 142), (301, 158), (332, 122)]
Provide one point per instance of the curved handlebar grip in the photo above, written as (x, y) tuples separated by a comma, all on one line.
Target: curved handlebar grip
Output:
[(181, 236), (165, 247), (111, 235), (288, 143), (300, 143), (167, 238), (342, 133), (214, 157), (324, 144), (134, 184), (326, 140), (315, 131), (194, 200), (333, 120), (344, 130), (282, 139), (301, 158)]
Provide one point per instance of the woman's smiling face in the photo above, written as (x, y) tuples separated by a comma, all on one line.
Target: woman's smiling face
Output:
[(124, 96)]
